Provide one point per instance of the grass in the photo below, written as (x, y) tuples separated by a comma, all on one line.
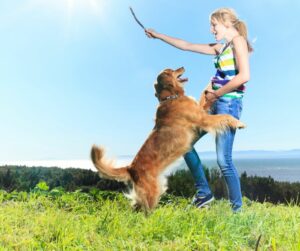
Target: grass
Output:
[(58, 220)]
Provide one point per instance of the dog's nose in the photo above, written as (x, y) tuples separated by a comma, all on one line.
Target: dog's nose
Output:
[(181, 69)]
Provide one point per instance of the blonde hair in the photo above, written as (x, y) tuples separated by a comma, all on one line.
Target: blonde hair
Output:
[(229, 17)]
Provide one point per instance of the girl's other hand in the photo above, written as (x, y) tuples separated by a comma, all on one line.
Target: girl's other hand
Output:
[(151, 33), (211, 97)]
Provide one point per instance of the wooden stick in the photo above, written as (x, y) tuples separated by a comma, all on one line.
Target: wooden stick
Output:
[(140, 24)]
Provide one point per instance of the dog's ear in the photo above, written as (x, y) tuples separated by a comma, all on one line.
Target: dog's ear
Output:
[(165, 84), (164, 79)]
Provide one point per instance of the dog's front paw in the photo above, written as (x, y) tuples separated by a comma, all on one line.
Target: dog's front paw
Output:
[(137, 207)]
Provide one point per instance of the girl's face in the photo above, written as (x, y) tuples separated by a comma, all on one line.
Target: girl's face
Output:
[(218, 29)]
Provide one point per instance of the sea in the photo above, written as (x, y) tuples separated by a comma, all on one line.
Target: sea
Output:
[(280, 165), (279, 169)]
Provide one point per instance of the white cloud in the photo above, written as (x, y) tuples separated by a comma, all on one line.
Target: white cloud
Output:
[(69, 9)]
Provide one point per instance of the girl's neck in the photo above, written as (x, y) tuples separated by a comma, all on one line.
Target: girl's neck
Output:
[(231, 33)]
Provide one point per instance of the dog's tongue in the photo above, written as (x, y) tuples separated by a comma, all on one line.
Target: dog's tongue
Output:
[(182, 80)]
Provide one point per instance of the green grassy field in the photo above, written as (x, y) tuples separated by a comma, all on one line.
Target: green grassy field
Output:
[(57, 220)]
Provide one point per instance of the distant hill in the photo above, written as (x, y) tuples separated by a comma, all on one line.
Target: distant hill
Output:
[(256, 154)]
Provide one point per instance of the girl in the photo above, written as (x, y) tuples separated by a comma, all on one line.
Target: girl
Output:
[(224, 94)]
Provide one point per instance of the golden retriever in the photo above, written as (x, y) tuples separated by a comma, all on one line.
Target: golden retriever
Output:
[(179, 120)]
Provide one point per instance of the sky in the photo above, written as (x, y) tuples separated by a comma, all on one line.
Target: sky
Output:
[(74, 73)]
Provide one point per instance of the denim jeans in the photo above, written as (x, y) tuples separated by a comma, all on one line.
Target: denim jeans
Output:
[(224, 143)]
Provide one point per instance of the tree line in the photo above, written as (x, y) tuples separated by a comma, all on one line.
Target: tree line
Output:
[(180, 183)]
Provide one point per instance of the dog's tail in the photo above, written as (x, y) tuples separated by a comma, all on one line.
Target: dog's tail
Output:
[(106, 168)]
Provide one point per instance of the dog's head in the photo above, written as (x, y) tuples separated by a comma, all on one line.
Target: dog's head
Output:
[(169, 82)]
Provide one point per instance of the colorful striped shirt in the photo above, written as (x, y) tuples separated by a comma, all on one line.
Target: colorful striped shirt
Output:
[(226, 70)]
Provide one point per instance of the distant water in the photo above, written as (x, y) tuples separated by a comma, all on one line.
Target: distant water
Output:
[(281, 168)]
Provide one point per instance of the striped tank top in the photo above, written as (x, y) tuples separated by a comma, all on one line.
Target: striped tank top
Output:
[(225, 64)]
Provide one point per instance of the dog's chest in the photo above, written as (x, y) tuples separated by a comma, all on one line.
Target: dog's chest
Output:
[(177, 109)]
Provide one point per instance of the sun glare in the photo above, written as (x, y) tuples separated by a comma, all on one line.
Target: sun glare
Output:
[(70, 13), (70, 7), (92, 6)]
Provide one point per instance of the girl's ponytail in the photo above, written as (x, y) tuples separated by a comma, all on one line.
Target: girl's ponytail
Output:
[(242, 30)]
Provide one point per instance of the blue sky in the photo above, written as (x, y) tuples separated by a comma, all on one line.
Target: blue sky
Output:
[(78, 72)]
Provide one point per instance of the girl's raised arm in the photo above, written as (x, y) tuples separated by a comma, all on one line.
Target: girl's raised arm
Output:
[(211, 49)]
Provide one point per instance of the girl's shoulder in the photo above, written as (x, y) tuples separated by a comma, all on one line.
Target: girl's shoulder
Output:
[(238, 40), (239, 43), (242, 43)]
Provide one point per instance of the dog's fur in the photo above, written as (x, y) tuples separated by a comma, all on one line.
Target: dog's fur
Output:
[(179, 120)]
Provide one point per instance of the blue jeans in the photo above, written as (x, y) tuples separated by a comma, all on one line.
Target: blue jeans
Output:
[(224, 143)]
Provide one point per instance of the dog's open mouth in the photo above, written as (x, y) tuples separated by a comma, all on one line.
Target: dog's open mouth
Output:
[(182, 80)]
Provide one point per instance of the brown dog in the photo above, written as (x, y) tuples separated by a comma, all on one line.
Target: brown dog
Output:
[(179, 120)]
